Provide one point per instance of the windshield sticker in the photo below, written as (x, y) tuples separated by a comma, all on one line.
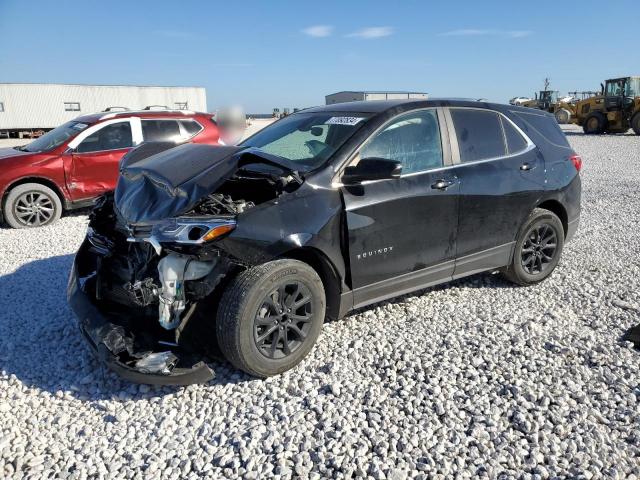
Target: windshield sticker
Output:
[(343, 121), (79, 126)]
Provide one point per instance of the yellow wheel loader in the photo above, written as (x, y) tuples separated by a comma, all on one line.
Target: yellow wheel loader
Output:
[(614, 110), (545, 100)]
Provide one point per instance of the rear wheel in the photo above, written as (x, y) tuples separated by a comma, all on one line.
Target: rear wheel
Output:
[(270, 316), (537, 250), (635, 123), (595, 123), (32, 205)]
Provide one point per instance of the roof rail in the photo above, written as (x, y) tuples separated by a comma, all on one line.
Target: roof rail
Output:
[(113, 109), (157, 107)]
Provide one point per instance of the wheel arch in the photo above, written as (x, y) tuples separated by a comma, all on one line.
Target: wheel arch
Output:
[(326, 271), (42, 181), (556, 207)]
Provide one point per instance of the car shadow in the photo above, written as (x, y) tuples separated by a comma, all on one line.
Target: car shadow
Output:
[(41, 346)]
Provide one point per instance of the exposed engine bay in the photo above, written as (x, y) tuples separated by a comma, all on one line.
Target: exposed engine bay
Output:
[(159, 277)]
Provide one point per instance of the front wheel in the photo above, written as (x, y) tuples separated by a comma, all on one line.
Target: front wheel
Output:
[(270, 316), (537, 250), (595, 124), (32, 205)]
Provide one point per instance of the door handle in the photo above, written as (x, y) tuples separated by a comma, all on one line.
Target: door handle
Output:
[(525, 167), (442, 184)]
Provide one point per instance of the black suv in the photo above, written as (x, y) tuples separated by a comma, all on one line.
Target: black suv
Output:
[(245, 250)]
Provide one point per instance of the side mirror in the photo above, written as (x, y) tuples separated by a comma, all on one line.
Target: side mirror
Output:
[(371, 169), (317, 131)]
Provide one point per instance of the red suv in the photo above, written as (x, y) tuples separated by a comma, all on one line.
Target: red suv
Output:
[(73, 164)]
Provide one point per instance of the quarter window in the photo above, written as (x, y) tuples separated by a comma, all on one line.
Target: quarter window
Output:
[(544, 125), (112, 137), (191, 127), (479, 134), (161, 131), (413, 140), (515, 142), (71, 106)]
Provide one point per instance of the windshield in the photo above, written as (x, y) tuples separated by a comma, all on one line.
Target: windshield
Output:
[(307, 139), (633, 87), (55, 137)]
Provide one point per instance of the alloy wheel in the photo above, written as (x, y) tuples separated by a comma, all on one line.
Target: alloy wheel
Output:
[(33, 209), (283, 321), (539, 249)]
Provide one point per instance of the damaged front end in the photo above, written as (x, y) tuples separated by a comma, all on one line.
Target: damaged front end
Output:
[(146, 280)]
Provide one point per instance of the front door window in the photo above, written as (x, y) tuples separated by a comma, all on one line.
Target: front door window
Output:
[(115, 136), (413, 140)]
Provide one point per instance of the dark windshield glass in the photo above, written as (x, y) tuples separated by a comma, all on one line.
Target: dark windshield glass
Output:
[(308, 139), (633, 87), (55, 137)]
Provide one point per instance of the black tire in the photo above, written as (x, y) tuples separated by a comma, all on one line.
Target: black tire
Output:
[(534, 258), (635, 123), (248, 312), (563, 116), (32, 205), (595, 124)]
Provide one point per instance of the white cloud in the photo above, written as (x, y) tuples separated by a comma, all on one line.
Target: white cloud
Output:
[(519, 33), (372, 32), (318, 31), (470, 32)]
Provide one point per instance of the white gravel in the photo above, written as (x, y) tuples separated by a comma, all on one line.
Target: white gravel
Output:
[(476, 378)]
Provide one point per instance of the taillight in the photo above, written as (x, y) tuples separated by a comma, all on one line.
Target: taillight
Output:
[(577, 161)]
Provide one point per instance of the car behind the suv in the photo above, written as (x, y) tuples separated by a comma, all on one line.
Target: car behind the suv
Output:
[(73, 164), (245, 250)]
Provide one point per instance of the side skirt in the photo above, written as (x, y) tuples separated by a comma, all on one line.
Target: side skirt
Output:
[(489, 259)]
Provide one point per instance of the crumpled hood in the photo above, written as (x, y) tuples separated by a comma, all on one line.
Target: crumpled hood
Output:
[(158, 182)]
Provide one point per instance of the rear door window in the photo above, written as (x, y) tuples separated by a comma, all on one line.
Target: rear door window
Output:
[(479, 134), (515, 141), (544, 125), (161, 131)]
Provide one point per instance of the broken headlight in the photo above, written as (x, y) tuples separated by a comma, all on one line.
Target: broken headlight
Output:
[(183, 230), (192, 230)]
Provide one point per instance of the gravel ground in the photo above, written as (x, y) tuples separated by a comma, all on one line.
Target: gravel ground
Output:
[(475, 378)]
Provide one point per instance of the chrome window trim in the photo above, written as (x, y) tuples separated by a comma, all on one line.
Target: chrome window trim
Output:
[(444, 143), (453, 142), (73, 144), (530, 145)]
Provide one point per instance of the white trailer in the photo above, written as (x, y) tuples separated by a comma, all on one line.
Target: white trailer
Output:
[(28, 107), (354, 96)]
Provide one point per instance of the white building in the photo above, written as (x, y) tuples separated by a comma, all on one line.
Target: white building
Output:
[(354, 96), (31, 106)]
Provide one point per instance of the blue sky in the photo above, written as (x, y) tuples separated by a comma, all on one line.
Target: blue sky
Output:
[(291, 53)]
